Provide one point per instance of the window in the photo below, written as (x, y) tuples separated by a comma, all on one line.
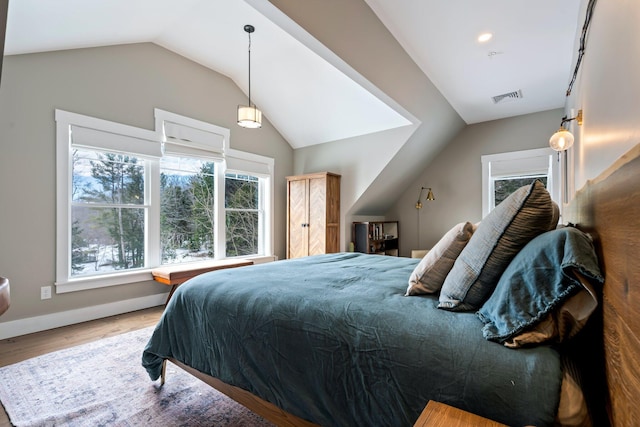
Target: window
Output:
[(108, 212), (130, 199), (504, 186), (244, 214), (187, 209), (504, 173)]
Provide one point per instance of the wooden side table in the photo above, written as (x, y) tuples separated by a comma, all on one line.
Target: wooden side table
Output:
[(438, 414), (175, 275)]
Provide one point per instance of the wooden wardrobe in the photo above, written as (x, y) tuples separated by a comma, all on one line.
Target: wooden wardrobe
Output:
[(313, 214)]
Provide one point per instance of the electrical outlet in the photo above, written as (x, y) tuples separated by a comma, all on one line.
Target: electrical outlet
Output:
[(45, 292)]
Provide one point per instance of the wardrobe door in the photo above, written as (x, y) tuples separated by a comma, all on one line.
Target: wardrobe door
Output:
[(317, 216), (298, 236)]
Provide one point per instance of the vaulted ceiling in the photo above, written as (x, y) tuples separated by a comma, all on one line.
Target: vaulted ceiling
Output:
[(308, 93)]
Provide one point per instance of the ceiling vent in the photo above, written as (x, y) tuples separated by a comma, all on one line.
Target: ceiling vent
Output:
[(507, 97)]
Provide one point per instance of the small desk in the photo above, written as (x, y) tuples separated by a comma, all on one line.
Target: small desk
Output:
[(438, 414), (174, 275)]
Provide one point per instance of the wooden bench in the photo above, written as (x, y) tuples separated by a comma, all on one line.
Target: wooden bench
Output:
[(175, 275)]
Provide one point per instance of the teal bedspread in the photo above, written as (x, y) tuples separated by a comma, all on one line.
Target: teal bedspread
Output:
[(332, 339)]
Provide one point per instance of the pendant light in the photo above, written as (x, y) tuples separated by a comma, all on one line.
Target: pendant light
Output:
[(248, 115)]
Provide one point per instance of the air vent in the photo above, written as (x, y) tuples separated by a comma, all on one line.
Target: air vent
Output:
[(507, 97)]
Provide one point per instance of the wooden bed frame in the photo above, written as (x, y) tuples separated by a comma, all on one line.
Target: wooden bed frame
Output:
[(608, 208)]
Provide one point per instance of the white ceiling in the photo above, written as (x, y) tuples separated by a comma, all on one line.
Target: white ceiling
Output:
[(531, 50), (305, 91)]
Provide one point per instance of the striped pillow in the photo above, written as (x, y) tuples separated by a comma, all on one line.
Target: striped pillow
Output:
[(525, 214)]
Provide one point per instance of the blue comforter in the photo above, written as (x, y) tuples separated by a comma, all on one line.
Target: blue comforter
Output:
[(332, 339)]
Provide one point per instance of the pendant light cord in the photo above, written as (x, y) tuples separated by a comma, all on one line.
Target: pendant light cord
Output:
[(249, 68)]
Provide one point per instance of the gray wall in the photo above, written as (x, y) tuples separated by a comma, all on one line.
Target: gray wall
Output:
[(455, 175), (118, 83), (374, 166), (607, 89)]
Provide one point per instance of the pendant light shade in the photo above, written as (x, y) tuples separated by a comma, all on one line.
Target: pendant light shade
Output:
[(248, 115)]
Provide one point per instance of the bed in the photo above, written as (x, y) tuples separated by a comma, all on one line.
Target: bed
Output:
[(298, 346)]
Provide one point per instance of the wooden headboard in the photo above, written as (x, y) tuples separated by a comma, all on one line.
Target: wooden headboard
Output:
[(608, 207)]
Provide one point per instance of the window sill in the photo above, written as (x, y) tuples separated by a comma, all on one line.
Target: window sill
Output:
[(145, 275), (95, 282)]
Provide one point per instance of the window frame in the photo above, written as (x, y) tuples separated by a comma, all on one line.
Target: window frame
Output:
[(152, 145), (259, 210), (144, 206), (217, 178), (515, 164), (262, 167)]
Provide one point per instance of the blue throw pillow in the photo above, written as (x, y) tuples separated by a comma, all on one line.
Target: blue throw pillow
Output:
[(538, 280)]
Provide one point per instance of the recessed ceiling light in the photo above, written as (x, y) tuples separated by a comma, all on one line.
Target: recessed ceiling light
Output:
[(484, 37)]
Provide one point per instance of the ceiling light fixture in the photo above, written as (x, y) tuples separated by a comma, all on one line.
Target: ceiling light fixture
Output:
[(248, 115), (484, 37), (563, 139)]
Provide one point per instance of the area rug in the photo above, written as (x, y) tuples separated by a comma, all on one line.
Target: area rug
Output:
[(104, 384)]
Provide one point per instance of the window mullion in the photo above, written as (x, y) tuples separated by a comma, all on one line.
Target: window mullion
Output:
[(261, 218), (219, 214), (152, 195)]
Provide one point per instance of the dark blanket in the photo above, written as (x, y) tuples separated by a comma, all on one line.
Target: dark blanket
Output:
[(332, 339), (538, 280)]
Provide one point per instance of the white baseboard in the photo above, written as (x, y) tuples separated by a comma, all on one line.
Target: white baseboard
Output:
[(30, 325)]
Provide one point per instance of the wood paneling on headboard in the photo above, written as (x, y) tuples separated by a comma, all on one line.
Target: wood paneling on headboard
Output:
[(608, 207)]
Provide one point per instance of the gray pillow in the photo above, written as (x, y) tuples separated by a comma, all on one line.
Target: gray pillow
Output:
[(523, 215), (429, 274)]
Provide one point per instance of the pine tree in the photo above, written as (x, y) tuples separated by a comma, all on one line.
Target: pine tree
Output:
[(122, 182), (241, 224), (202, 188)]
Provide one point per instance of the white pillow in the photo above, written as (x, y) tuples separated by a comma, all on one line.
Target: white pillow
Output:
[(429, 274)]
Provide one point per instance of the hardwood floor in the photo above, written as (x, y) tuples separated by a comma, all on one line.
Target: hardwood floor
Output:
[(13, 350)]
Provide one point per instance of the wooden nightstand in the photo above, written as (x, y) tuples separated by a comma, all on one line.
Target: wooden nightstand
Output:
[(438, 414)]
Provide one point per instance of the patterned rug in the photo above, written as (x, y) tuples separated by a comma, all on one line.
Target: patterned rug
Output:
[(104, 384)]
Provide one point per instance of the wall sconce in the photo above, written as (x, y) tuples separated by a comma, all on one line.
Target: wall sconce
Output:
[(429, 196), (248, 115), (563, 139)]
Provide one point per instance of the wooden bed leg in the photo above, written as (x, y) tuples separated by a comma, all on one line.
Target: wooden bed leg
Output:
[(164, 371)]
